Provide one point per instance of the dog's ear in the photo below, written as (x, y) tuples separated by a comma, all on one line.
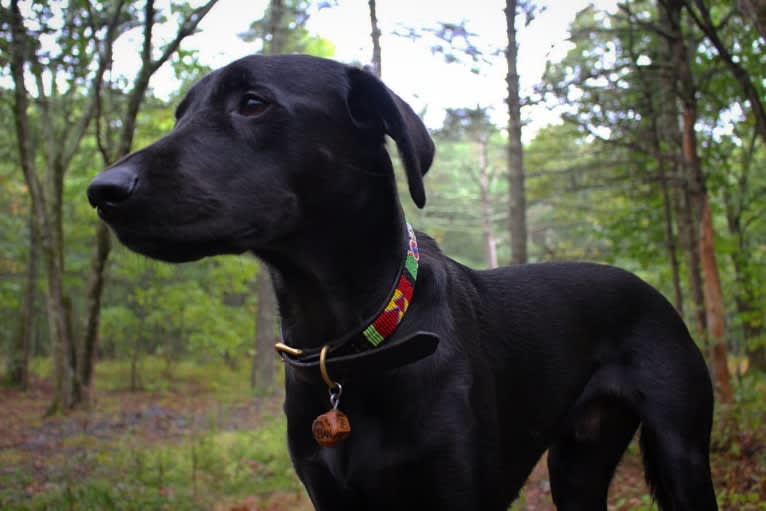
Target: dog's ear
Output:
[(374, 106)]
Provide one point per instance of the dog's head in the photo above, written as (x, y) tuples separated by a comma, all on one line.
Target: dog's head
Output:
[(260, 148)]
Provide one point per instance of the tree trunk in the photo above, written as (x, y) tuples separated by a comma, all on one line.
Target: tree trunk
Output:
[(377, 63), (714, 308), (662, 112), (276, 28), (134, 385), (745, 298), (18, 362), (689, 242), (680, 192), (667, 207), (77, 390), (747, 309), (87, 352), (262, 375), (490, 243), (60, 341), (518, 214)]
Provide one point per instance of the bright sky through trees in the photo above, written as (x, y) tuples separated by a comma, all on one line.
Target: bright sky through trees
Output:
[(410, 68)]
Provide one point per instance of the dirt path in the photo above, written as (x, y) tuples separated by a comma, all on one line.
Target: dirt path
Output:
[(627, 490), (42, 446), (45, 448)]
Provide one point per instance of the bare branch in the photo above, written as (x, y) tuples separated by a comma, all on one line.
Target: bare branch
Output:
[(74, 137), (45, 114), (148, 67), (704, 21)]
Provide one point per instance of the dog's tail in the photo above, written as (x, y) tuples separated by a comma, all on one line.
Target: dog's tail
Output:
[(653, 467)]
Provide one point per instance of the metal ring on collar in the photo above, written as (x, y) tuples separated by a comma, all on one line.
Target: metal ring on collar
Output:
[(323, 368)]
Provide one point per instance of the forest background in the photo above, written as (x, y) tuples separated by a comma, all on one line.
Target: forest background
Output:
[(133, 384)]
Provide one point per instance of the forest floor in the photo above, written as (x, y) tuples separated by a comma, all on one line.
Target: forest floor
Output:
[(192, 444)]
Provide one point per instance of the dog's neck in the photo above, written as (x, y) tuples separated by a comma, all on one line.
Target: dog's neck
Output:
[(328, 287)]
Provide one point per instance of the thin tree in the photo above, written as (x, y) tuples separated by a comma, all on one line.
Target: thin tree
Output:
[(18, 361), (46, 196), (654, 104), (714, 309), (282, 29), (112, 149), (738, 198), (263, 373), (671, 141), (65, 113), (518, 201), (474, 125), (377, 62)]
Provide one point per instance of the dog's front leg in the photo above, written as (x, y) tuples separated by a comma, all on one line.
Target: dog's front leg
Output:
[(325, 492)]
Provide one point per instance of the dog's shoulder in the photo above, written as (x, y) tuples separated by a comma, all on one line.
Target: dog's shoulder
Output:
[(427, 244), (445, 275)]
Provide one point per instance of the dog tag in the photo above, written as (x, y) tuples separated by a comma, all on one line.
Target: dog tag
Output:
[(331, 428)]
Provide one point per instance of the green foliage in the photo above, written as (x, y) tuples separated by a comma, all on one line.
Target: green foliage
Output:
[(739, 440), (290, 29), (196, 439), (14, 227), (609, 87), (191, 474), (453, 214), (201, 310)]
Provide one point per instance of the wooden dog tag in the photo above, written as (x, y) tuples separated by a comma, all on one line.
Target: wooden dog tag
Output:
[(331, 428)]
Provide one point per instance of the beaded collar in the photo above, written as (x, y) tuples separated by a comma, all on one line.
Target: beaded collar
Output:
[(384, 323)]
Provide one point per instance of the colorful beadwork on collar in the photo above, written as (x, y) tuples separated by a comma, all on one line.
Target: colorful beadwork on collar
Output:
[(379, 327), (384, 325)]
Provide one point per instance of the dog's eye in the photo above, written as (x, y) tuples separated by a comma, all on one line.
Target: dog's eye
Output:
[(251, 105)]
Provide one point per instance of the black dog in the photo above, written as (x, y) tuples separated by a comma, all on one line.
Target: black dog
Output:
[(285, 157)]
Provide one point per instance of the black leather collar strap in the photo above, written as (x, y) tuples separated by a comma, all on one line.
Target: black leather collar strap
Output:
[(368, 348), (392, 354)]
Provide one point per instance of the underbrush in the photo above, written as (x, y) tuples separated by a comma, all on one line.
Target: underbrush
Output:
[(739, 447), (193, 474), (157, 374), (195, 438)]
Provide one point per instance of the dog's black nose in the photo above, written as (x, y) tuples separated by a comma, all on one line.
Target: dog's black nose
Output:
[(112, 186)]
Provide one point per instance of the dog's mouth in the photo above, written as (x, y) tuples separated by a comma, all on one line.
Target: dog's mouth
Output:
[(182, 243)]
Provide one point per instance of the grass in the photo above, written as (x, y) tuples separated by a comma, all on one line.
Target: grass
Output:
[(158, 375), (131, 473), (195, 438)]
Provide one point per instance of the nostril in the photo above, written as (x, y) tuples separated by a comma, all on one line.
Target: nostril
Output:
[(112, 186)]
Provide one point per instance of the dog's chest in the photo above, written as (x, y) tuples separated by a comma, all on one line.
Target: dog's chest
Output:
[(365, 458), (373, 459)]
